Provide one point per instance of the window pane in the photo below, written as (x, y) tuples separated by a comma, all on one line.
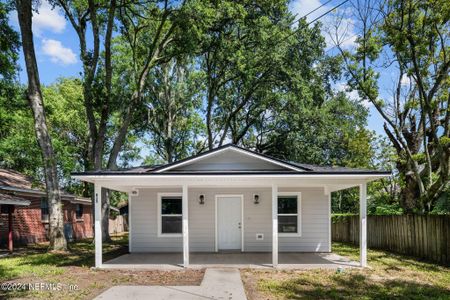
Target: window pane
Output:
[(171, 206), (287, 205), (44, 209), (287, 224), (171, 224), (79, 211)]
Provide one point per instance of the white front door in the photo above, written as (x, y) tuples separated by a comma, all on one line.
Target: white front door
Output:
[(229, 222)]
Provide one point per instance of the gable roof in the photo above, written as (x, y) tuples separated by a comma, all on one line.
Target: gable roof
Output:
[(229, 147), (285, 166), (6, 199), (15, 179), (13, 183)]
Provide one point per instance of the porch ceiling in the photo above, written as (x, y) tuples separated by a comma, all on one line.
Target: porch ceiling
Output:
[(127, 183)]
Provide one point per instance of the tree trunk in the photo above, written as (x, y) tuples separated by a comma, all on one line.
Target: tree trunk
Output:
[(56, 222), (106, 194)]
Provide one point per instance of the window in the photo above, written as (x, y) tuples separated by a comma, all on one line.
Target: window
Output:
[(170, 211), (44, 210), (289, 214), (79, 211)]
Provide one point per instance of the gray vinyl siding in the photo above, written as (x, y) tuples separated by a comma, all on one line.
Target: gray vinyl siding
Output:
[(229, 160), (257, 219)]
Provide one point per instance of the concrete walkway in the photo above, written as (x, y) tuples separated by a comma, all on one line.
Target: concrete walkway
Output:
[(216, 284)]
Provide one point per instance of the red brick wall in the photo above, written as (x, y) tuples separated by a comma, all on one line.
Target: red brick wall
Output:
[(81, 228), (28, 227)]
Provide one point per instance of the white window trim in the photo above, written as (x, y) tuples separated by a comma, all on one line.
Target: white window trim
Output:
[(299, 214), (160, 196)]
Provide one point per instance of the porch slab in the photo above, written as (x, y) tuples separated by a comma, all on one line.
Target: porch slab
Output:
[(256, 260)]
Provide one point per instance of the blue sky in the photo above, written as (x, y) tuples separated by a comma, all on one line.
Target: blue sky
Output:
[(57, 48)]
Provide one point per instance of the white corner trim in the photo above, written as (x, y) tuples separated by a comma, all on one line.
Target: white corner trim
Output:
[(130, 227), (299, 214), (192, 160), (329, 222), (274, 225), (98, 225), (216, 236), (160, 234)]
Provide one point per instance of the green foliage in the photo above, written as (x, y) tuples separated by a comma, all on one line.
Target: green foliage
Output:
[(197, 74), (386, 209), (9, 50), (443, 204), (339, 217), (67, 124), (18, 146), (409, 37), (174, 120)]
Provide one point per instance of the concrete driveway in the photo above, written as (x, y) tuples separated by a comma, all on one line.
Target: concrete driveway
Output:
[(217, 284)]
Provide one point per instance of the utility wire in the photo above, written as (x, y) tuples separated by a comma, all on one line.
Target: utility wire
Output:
[(316, 9), (327, 12), (316, 19), (312, 11)]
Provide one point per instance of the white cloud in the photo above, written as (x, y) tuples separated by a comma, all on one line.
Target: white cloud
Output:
[(303, 7), (406, 80), (48, 19), (58, 53), (346, 29)]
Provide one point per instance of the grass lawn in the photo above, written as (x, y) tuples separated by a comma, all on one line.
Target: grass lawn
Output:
[(69, 275), (390, 276)]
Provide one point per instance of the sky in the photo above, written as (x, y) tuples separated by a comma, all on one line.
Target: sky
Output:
[(57, 49)]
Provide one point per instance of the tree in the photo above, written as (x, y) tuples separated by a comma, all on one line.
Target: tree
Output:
[(240, 58), (9, 48), (412, 37), (175, 124), (67, 126), (147, 35), (34, 96)]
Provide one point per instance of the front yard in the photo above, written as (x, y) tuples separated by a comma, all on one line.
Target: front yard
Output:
[(390, 276), (69, 276)]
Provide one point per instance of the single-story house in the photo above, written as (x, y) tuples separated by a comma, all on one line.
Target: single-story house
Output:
[(25, 213), (230, 199)]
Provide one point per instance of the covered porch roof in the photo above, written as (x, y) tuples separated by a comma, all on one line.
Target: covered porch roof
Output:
[(330, 182), (231, 165)]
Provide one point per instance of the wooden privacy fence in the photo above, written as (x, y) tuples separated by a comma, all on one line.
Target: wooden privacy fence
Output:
[(421, 236), (118, 225)]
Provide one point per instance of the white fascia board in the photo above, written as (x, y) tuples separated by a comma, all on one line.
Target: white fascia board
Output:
[(94, 177), (128, 182), (190, 161)]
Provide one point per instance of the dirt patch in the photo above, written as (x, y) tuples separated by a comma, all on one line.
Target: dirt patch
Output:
[(85, 283)]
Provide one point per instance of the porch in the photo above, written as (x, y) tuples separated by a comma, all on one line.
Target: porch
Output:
[(258, 260), (230, 198)]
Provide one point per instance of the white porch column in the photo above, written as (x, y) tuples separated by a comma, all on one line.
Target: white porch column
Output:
[(185, 209), (363, 224), (98, 225), (274, 226)]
